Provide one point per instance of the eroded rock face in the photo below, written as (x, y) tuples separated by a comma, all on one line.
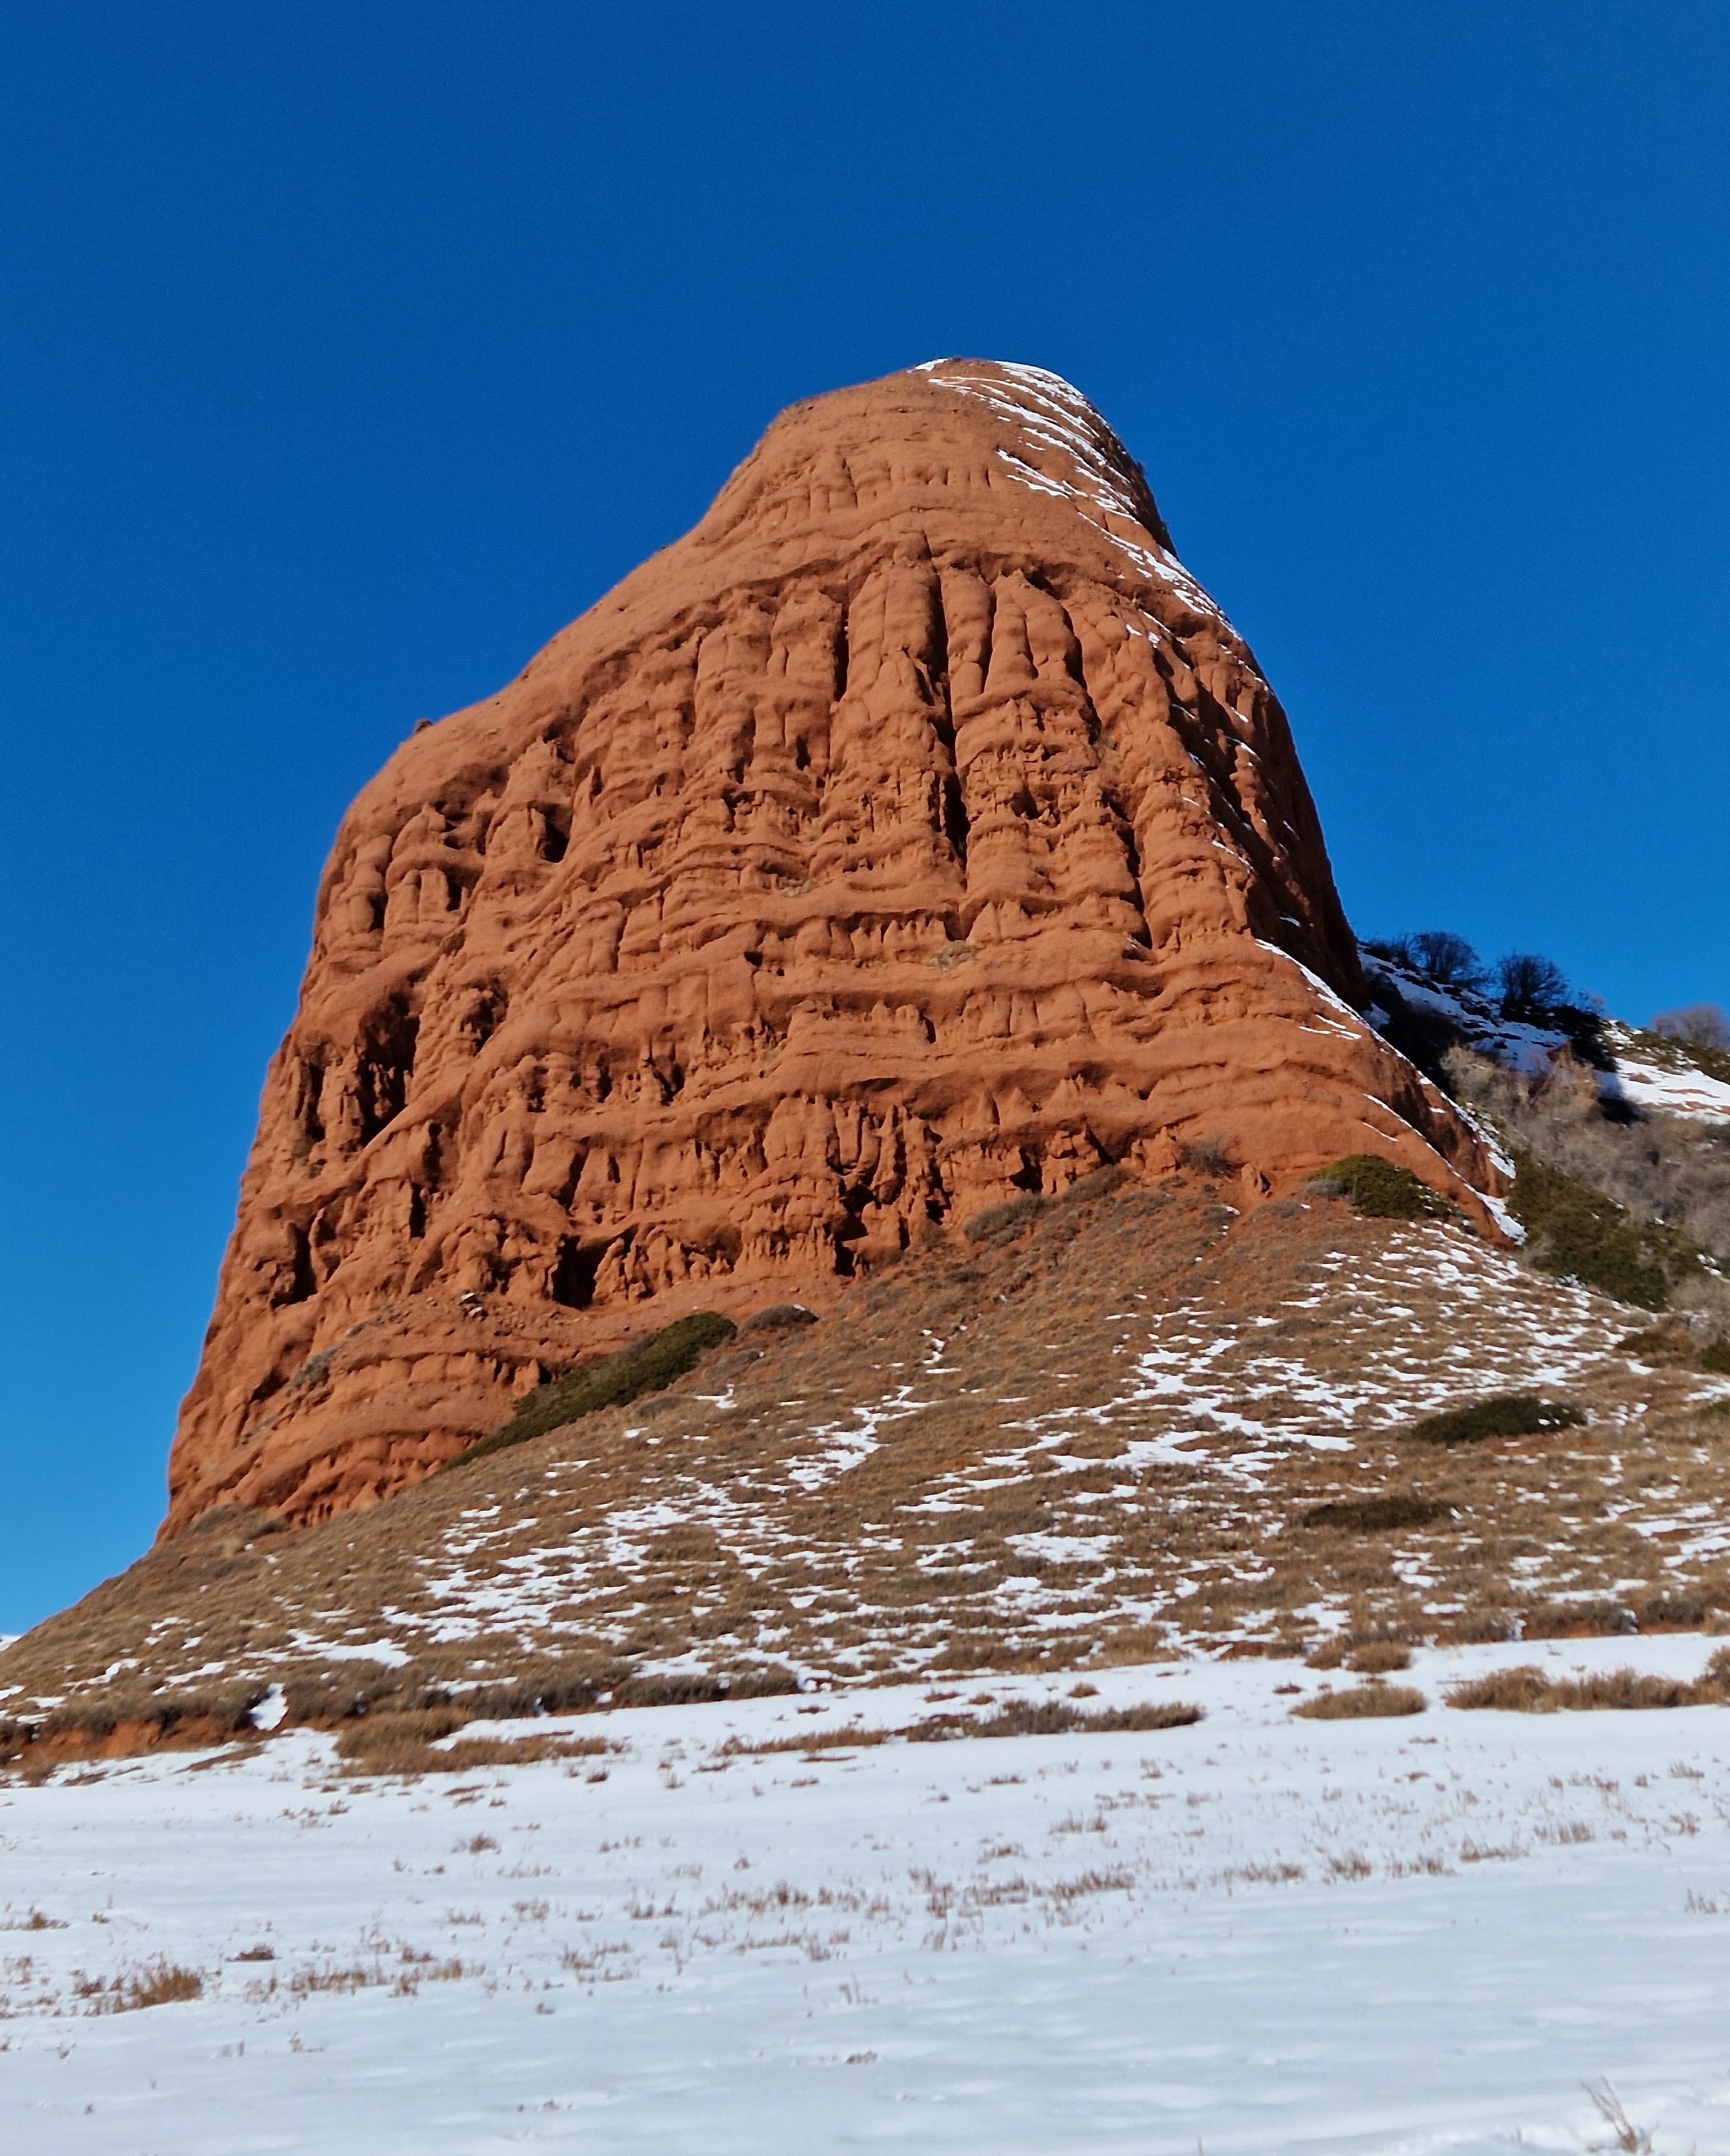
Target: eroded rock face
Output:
[(912, 833)]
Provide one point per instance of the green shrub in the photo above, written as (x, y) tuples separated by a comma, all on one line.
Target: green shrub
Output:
[(1377, 1188), (1508, 1414), (1576, 1234), (1375, 1515), (613, 1382)]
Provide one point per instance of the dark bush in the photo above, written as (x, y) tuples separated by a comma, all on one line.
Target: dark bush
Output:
[(1715, 1359), (1508, 1414), (1683, 1611), (1577, 1233), (1584, 1030), (1424, 1037), (1377, 1188), (1595, 1618), (613, 1382), (1376, 1516), (770, 1682)]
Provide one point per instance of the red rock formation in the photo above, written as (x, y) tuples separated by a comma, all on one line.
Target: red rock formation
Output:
[(914, 833)]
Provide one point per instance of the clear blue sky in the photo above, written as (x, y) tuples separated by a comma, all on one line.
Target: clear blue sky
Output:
[(351, 350)]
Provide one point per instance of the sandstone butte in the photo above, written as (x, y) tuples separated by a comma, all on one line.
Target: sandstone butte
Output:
[(914, 833)]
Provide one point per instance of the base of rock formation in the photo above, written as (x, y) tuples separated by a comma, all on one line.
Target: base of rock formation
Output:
[(1093, 1431)]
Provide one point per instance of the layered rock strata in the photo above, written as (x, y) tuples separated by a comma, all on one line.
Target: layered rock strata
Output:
[(913, 834)]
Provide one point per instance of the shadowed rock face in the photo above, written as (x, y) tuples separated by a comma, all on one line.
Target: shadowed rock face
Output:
[(913, 834)]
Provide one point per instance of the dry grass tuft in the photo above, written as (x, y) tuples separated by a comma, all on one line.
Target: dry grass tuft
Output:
[(1380, 1658), (1365, 1700), (408, 1745), (1053, 1718), (819, 1740), (32, 1920), (158, 1983), (1625, 2136), (1529, 1690)]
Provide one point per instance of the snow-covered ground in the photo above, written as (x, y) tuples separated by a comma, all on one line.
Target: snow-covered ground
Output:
[(1253, 1934), (1671, 1089)]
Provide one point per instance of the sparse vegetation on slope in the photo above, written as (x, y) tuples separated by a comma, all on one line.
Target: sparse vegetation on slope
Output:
[(1577, 1233), (879, 1494), (1434, 994), (1626, 1205), (412, 1743), (1380, 1190), (1699, 1034), (614, 1381)]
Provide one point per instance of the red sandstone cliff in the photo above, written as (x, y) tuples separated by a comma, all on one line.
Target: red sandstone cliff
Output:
[(913, 833)]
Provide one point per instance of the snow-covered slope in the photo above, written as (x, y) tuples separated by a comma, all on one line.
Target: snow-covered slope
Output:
[(1473, 1017), (1648, 1072), (1102, 1434), (1666, 1076), (1253, 1934)]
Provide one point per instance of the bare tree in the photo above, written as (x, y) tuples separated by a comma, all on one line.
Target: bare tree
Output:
[(1702, 1025), (1531, 987), (1447, 960)]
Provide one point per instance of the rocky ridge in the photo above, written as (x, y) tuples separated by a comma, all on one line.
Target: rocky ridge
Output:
[(913, 835)]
